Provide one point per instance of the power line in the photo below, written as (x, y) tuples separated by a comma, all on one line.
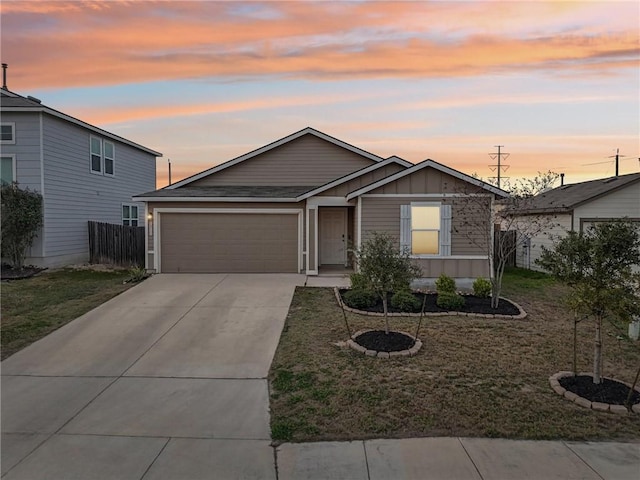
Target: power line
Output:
[(499, 166)]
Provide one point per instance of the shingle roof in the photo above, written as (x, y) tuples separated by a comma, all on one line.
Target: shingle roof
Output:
[(567, 197), (231, 191)]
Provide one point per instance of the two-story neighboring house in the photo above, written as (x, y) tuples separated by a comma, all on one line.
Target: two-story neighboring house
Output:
[(83, 173)]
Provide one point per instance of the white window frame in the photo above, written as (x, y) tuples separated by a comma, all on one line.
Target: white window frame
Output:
[(13, 164), (130, 218), (103, 157), (444, 230), (13, 133)]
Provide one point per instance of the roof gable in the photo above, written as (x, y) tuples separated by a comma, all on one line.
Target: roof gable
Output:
[(423, 165), (274, 145)]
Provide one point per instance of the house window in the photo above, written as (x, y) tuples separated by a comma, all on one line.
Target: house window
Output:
[(130, 215), (103, 157), (425, 229), (8, 169), (8, 132)]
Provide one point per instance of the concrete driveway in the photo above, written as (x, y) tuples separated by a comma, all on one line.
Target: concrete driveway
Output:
[(167, 380)]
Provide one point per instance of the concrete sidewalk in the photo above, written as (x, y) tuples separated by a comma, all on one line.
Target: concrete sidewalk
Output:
[(459, 458)]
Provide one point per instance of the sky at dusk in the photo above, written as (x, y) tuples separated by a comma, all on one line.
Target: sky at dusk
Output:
[(556, 83)]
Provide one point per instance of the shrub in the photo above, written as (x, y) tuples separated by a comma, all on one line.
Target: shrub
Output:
[(405, 301), (445, 284), (21, 219), (359, 298), (450, 301), (482, 287), (358, 281)]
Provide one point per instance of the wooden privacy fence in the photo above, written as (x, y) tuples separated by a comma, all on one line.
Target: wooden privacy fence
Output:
[(116, 244), (507, 238)]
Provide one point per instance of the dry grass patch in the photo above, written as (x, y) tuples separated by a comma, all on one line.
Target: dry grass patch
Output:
[(473, 377)]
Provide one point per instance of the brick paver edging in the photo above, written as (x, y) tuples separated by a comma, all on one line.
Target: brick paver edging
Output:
[(374, 353), (520, 316), (583, 402)]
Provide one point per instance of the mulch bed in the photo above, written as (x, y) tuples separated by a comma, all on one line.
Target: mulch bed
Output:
[(472, 304), (380, 341), (7, 272), (608, 391)]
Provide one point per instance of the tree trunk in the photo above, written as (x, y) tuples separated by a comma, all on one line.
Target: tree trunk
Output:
[(632, 390), (575, 344), (386, 317), (597, 353)]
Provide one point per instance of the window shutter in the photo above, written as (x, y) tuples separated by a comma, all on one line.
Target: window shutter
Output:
[(445, 230), (405, 228)]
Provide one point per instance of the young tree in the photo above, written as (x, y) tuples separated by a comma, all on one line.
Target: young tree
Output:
[(384, 268), (21, 219), (480, 224), (598, 266)]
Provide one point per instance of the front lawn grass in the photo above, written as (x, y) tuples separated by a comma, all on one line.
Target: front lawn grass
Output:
[(34, 307), (473, 377)]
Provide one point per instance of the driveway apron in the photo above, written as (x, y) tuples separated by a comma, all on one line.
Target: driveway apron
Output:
[(166, 380)]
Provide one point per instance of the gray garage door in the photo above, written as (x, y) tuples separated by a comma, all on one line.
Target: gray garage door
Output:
[(228, 243)]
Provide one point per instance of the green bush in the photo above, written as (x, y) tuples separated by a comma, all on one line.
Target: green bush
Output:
[(445, 284), (358, 281), (358, 298), (482, 287), (450, 301), (405, 301)]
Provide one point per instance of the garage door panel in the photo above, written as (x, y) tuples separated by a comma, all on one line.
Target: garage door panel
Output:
[(226, 242)]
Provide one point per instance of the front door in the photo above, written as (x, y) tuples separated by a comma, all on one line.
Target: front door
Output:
[(333, 236)]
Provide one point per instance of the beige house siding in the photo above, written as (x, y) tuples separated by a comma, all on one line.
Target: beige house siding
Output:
[(362, 181), (427, 180), (528, 251), (621, 203), (307, 160), (383, 215)]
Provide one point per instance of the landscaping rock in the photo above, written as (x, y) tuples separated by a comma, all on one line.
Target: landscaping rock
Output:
[(570, 396), (619, 409), (583, 402), (603, 407)]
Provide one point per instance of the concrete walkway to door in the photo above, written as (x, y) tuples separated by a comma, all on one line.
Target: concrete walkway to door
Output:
[(165, 381)]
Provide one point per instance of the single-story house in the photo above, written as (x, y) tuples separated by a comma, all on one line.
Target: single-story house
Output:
[(576, 207), (301, 203)]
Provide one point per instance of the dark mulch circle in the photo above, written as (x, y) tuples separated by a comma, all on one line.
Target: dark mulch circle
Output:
[(608, 391), (380, 341), (472, 304), (9, 273)]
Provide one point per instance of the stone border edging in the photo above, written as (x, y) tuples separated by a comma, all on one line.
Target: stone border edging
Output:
[(583, 402), (374, 353), (520, 316)]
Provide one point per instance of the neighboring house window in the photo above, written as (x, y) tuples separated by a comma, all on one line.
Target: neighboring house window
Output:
[(103, 156), (130, 215), (426, 229), (8, 169), (8, 132)]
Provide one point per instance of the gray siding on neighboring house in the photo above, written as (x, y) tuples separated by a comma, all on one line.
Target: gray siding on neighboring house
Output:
[(362, 181), (383, 215), (528, 251), (307, 160), (27, 154), (620, 203), (74, 195)]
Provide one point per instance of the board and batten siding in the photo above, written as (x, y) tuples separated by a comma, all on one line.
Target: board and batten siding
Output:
[(618, 204), (527, 252), (380, 214), (307, 160), (427, 180), (26, 150), (74, 195), (152, 206), (362, 181)]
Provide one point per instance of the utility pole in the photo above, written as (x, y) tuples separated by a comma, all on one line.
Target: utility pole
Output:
[(499, 166), (169, 161), (617, 157)]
